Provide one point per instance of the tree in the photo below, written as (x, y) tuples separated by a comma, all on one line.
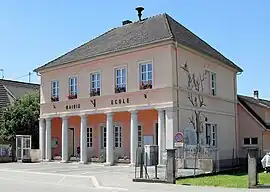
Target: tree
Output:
[(195, 89), (21, 118)]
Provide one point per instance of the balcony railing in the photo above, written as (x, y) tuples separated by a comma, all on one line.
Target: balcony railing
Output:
[(146, 86), (119, 89), (95, 92), (72, 96), (54, 98)]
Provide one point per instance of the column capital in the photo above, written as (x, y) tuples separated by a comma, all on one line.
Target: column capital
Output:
[(133, 112), (48, 118), (83, 116), (109, 114), (41, 118), (64, 117), (160, 109)]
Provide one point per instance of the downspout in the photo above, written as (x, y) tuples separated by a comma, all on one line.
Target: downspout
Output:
[(236, 118), (177, 86)]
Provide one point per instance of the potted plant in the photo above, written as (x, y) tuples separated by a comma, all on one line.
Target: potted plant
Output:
[(54, 98)]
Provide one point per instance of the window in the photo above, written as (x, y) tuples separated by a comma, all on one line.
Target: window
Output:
[(146, 76), (54, 91), (103, 137), (251, 141), (120, 80), (73, 87), (89, 136), (95, 84), (213, 84), (140, 136), (211, 134), (117, 136)]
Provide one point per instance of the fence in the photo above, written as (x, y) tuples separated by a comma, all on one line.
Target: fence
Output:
[(211, 159), (7, 152)]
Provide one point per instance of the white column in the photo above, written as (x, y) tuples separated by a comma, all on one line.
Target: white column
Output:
[(109, 140), (48, 139), (161, 135), (64, 139), (170, 127), (42, 138), (133, 136), (83, 144)]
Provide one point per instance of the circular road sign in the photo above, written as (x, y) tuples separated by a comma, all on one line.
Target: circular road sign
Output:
[(179, 137)]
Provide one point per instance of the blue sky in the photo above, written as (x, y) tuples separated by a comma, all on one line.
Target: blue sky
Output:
[(35, 32)]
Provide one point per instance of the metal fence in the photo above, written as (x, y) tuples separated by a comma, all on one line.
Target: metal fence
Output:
[(211, 159)]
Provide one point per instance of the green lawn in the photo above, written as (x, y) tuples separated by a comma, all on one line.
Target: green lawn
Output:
[(237, 180)]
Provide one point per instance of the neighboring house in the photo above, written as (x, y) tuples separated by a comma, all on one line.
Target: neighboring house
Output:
[(11, 91), (123, 89), (254, 123)]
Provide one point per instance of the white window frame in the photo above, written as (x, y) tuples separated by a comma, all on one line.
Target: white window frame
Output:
[(96, 80), (55, 86), (140, 136), (75, 85), (250, 141), (146, 72), (213, 83), (118, 136), (123, 83), (89, 137), (211, 135)]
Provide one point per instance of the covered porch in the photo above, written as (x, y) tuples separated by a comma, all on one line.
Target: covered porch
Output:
[(109, 137)]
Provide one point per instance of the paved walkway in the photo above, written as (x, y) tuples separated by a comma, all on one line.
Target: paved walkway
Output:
[(70, 177)]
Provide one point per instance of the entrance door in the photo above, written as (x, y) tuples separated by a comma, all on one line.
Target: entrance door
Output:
[(71, 137), (19, 148)]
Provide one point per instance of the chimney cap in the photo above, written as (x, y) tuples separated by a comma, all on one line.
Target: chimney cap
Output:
[(256, 94), (140, 9)]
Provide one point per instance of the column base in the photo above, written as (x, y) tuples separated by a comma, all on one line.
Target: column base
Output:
[(131, 165), (161, 166), (47, 160), (63, 161), (108, 164), (83, 162)]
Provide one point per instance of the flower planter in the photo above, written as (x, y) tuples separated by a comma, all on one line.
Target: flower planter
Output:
[(72, 97), (54, 99)]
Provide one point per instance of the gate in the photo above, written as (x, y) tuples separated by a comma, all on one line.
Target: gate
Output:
[(23, 146)]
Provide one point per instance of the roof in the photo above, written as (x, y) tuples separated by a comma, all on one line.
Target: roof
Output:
[(12, 90), (151, 30), (259, 102), (244, 100)]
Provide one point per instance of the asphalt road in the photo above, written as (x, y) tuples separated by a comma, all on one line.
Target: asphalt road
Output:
[(59, 177)]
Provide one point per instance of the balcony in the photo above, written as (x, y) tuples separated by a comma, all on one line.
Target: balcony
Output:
[(119, 89), (72, 96), (146, 86), (95, 92), (54, 98)]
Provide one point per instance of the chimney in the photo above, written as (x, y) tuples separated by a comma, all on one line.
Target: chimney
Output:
[(256, 94), (140, 9), (126, 22)]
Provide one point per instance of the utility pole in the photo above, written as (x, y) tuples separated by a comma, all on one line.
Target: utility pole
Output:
[(2, 71)]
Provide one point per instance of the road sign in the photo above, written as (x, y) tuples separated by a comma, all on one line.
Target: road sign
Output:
[(179, 137)]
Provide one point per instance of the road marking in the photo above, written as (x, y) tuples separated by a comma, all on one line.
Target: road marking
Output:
[(61, 180), (93, 178)]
